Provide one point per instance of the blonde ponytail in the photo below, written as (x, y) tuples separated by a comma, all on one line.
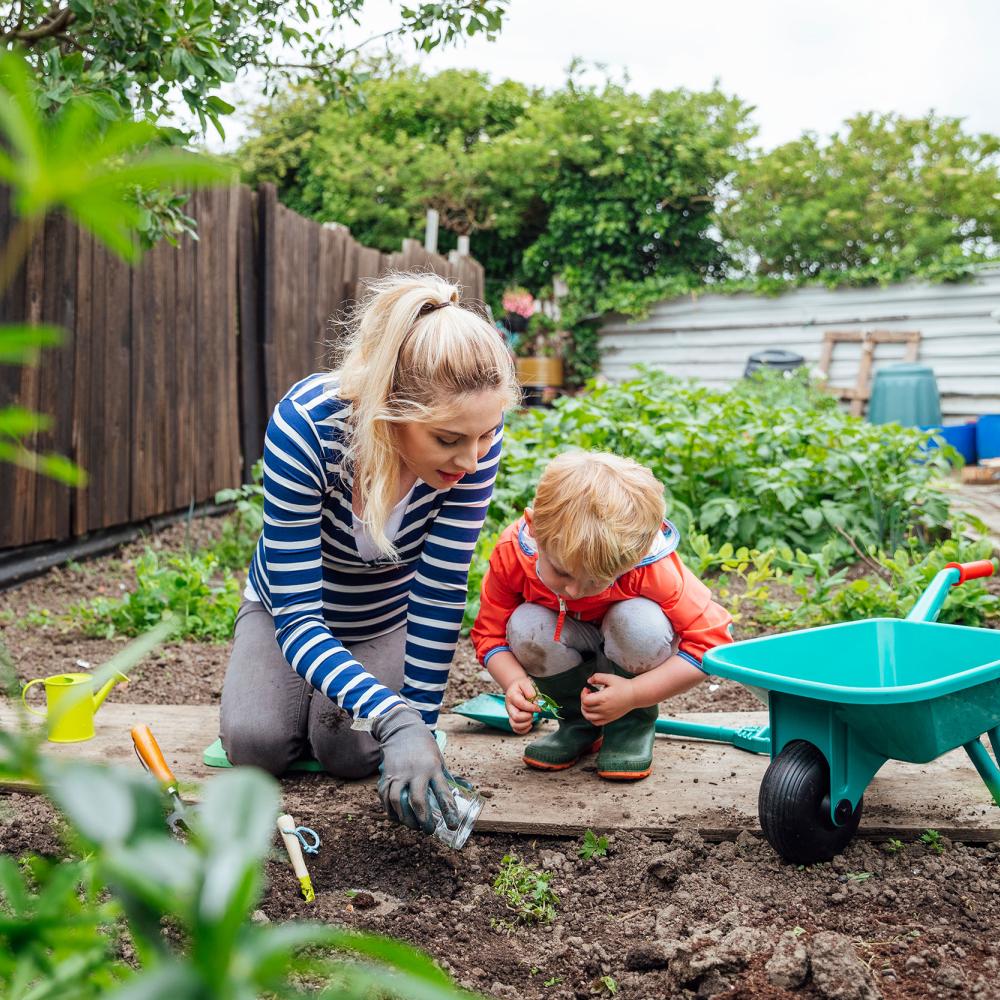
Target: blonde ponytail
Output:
[(411, 350)]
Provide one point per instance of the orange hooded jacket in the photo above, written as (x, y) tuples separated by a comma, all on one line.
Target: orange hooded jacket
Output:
[(512, 579)]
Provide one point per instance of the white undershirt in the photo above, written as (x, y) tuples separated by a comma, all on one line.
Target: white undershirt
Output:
[(362, 538)]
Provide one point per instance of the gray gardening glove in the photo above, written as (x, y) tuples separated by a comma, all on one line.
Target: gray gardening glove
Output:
[(411, 766)]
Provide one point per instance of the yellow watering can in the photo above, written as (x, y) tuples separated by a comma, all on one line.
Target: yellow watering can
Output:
[(71, 705)]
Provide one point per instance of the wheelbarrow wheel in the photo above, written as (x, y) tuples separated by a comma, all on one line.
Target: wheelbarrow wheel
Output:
[(794, 807)]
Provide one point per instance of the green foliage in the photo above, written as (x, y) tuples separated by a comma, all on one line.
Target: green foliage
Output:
[(886, 198), (241, 531), (933, 841), (202, 597), (742, 466), (593, 846), (893, 846), (608, 985), (611, 190), (137, 55), (526, 891), (891, 587), (546, 704), (64, 926)]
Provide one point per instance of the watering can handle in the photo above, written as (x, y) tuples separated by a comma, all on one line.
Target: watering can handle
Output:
[(24, 692), (972, 570), (151, 756)]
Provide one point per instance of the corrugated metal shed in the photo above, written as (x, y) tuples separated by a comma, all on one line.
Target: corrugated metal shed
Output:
[(709, 338)]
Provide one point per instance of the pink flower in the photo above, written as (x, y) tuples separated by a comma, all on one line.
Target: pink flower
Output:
[(519, 301)]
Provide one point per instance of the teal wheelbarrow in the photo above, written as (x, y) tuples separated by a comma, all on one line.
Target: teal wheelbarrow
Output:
[(844, 699)]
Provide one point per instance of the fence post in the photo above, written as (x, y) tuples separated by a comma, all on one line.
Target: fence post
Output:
[(431, 232)]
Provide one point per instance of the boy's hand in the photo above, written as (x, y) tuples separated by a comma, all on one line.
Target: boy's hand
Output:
[(615, 699), (519, 700)]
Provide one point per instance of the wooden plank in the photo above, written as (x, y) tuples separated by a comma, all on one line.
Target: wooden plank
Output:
[(55, 372), (253, 414), (13, 527), (270, 257), (711, 787), (184, 330), (86, 359), (112, 424)]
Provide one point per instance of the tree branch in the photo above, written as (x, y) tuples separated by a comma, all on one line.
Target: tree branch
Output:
[(55, 22)]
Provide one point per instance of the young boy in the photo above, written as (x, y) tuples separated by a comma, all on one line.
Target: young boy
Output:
[(586, 600)]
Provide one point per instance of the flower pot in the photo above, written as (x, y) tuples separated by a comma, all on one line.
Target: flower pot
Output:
[(540, 371)]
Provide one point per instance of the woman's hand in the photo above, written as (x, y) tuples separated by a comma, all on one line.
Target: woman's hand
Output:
[(519, 699), (615, 699), (412, 763)]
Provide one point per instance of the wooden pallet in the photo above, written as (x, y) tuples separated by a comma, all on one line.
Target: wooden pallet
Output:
[(868, 339), (710, 787)]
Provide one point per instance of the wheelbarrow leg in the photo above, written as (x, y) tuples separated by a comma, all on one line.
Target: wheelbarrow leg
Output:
[(994, 735), (988, 771)]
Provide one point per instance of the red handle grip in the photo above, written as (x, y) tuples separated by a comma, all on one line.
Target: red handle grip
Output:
[(150, 754), (972, 570)]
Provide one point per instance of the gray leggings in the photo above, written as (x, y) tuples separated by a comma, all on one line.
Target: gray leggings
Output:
[(635, 634), (270, 716)]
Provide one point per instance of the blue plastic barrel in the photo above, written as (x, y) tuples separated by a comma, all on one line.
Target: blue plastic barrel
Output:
[(962, 437), (988, 436)]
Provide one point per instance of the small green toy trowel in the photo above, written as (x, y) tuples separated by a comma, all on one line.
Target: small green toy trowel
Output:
[(489, 709)]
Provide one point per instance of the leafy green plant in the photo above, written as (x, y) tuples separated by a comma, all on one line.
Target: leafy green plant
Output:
[(242, 528), (526, 891), (202, 596), (546, 704), (893, 845), (609, 985), (859, 876), (933, 841), (593, 846)]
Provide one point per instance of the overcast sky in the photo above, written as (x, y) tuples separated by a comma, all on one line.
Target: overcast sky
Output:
[(803, 66)]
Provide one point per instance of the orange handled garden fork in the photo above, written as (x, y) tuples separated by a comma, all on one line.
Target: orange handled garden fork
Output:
[(148, 751)]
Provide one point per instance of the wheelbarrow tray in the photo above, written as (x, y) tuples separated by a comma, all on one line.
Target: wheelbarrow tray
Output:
[(910, 690)]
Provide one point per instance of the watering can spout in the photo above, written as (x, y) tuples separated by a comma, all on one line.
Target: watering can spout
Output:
[(106, 690)]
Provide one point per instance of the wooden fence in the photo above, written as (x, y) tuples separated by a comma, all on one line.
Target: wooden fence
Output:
[(165, 383)]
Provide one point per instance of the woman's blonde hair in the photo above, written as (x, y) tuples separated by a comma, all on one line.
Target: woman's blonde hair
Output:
[(596, 514), (410, 353)]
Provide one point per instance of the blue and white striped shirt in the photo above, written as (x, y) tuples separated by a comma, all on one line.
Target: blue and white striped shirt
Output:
[(308, 574)]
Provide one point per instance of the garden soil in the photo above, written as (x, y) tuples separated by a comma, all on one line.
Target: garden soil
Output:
[(652, 919)]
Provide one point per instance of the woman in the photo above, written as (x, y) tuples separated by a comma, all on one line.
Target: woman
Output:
[(377, 477)]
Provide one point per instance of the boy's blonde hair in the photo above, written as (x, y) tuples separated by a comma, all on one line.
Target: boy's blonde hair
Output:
[(596, 514), (410, 353)]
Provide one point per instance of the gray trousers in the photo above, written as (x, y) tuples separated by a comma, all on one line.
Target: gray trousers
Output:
[(635, 634), (270, 716)]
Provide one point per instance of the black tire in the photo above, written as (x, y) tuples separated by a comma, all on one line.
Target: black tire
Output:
[(794, 807)]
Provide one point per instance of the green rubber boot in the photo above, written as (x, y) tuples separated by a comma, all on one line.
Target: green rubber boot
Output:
[(627, 752), (575, 737)]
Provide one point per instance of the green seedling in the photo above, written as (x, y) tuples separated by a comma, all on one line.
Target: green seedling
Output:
[(859, 876), (546, 704), (932, 840), (893, 846), (593, 846), (609, 984), (526, 891), (554, 981)]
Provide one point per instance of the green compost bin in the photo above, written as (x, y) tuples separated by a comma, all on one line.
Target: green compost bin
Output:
[(906, 394)]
